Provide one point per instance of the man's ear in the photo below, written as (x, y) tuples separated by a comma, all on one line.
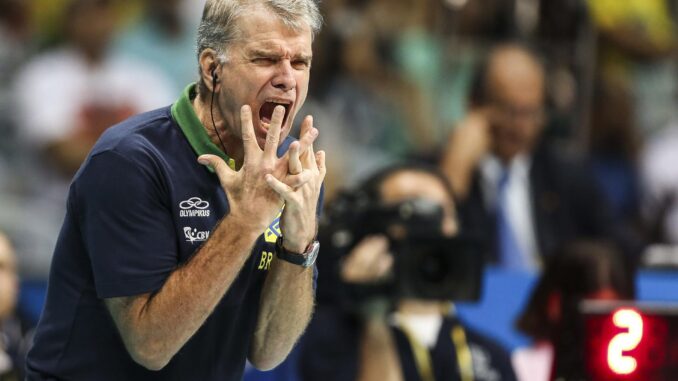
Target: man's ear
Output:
[(209, 68)]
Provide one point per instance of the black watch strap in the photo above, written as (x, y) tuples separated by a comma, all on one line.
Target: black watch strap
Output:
[(305, 259)]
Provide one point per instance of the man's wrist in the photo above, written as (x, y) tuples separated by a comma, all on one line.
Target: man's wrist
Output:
[(296, 247), (252, 225)]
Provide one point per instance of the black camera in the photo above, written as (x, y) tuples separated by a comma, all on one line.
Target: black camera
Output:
[(427, 265)]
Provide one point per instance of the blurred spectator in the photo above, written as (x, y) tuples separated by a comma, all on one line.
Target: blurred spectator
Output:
[(164, 38), (15, 45), (378, 99), (47, 15), (418, 338), (65, 98), (581, 270), (83, 88), (358, 111), (567, 38), (49, 18), (660, 187), (461, 31), (524, 193), (13, 333), (638, 46), (614, 143), (637, 84), (15, 33)]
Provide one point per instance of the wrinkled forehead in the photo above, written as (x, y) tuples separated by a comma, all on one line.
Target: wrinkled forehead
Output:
[(277, 46), (272, 39)]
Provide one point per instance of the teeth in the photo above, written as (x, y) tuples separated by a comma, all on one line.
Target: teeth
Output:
[(284, 103)]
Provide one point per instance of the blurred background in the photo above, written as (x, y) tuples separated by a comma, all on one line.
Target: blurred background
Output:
[(392, 81)]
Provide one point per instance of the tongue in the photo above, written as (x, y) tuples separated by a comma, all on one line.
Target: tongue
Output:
[(266, 112)]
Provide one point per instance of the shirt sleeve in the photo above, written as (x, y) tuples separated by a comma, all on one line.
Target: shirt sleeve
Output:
[(126, 223)]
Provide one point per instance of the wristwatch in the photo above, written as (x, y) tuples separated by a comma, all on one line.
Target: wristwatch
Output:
[(305, 259)]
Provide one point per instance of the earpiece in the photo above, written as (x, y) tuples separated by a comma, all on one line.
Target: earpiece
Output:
[(215, 77)]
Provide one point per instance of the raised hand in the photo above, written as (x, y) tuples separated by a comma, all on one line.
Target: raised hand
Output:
[(249, 195), (466, 146), (368, 262), (298, 222)]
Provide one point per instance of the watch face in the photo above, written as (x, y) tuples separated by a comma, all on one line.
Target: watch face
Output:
[(312, 254)]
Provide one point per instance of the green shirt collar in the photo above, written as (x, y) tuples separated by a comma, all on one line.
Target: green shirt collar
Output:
[(184, 114)]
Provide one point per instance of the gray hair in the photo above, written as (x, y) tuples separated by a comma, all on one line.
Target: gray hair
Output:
[(218, 25)]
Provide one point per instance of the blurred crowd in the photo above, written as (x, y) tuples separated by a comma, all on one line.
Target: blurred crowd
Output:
[(71, 69), (554, 121)]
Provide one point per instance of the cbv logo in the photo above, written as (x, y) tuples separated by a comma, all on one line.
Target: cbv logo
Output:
[(193, 235)]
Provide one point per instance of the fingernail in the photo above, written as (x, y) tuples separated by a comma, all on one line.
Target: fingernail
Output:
[(203, 161)]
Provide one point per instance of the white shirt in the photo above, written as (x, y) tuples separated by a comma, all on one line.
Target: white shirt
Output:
[(519, 206), (533, 363), (424, 327), (55, 86)]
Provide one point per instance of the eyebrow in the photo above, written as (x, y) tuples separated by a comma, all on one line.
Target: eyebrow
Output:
[(275, 53)]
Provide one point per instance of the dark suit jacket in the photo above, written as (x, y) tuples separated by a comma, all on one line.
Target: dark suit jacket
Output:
[(566, 204)]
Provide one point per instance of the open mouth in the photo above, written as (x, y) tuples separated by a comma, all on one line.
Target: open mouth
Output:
[(266, 111)]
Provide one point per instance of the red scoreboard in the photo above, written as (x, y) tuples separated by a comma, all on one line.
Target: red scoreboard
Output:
[(630, 341)]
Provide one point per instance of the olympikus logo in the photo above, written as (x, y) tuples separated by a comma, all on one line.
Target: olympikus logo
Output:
[(194, 207), (193, 235)]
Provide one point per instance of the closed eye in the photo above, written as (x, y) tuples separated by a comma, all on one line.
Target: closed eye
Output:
[(301, 64), (264, 61)]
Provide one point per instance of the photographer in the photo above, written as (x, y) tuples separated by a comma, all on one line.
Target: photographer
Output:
[(394, 265)]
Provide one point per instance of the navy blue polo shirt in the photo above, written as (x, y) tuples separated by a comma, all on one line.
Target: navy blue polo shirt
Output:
[(139, 207)]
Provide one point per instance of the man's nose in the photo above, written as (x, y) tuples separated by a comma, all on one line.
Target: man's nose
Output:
[(284, 76)]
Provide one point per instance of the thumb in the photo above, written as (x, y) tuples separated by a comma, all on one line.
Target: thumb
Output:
[(219, 166)]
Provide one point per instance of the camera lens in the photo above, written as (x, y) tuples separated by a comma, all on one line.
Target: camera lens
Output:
[(432, 266)]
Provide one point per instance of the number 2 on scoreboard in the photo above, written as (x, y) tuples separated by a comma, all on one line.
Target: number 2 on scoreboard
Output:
[(625, 341)]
